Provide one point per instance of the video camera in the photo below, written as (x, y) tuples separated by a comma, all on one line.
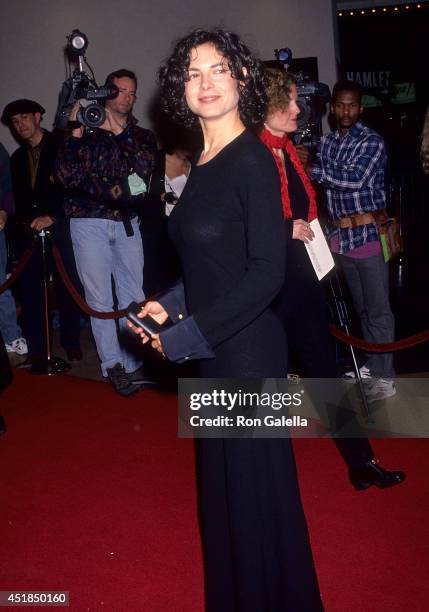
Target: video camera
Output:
[(83, 88), (312, 98)]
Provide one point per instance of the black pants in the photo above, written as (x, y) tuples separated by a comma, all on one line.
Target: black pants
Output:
[(302, 308), (32, 298), (5, 369)]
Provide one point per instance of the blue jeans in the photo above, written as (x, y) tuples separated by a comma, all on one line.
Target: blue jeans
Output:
[(368, 281), (8, 326), (102, 251)]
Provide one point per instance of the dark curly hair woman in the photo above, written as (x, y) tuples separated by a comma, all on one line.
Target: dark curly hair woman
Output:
[(228, 230)]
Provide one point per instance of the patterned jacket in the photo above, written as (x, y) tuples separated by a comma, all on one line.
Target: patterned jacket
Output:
[(94, 171)]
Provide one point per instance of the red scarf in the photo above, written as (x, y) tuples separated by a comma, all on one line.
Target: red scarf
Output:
[(283, 142)]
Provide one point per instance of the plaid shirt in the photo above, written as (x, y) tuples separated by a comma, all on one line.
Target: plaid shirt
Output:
[(351, 169)]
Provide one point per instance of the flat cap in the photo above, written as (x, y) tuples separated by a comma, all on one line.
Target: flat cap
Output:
[(20, 107)]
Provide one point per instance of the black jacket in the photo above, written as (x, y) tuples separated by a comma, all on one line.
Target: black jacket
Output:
[(45, 198)]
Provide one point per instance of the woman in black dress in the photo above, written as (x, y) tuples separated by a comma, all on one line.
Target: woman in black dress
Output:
[(227, 228)]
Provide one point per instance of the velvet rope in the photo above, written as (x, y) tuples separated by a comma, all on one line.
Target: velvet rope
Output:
[(113, 314), (389, 347), (18, 270)]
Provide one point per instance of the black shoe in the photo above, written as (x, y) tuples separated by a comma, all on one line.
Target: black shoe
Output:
[(371, 473), (120, 380), (30, 361), (138, 377)]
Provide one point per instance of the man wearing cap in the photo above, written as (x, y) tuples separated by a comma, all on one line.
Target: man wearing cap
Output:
[(106, 173), (38, 206)]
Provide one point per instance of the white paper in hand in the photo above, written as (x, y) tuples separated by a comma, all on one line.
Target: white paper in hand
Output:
[(319, 251)]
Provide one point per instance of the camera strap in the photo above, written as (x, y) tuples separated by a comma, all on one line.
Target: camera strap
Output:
[(127, 223)]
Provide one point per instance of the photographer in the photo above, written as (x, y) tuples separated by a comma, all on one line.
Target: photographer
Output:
[(106, 172), (38, 207)]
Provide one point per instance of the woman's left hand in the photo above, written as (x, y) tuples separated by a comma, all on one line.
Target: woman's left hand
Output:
[(302, 231)]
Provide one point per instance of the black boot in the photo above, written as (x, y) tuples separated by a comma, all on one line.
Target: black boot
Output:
[(371, 473)]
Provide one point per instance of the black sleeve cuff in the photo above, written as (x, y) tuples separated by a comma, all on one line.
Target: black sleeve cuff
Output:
[(184, 341)]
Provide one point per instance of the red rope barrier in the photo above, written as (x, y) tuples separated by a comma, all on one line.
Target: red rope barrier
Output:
[(352, 340), (387, 347), (18, 270), (113, 314)]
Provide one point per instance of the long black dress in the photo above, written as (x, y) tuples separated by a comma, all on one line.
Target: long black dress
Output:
[(228, 231)]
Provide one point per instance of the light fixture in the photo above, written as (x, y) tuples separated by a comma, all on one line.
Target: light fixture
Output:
[(78, 42)]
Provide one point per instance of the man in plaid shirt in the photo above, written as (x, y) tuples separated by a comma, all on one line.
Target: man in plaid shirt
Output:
[(350, 166)]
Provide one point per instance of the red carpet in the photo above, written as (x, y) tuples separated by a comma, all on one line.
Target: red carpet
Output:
[(97, 498)]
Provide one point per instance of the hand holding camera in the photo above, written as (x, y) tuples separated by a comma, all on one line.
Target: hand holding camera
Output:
[(80, 95)]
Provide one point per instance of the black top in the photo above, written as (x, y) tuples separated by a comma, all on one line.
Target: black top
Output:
[(298, 196), (297, 259), (161, 266), (229, 233)]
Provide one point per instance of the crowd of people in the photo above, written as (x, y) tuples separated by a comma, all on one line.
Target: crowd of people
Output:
[(233, 276)]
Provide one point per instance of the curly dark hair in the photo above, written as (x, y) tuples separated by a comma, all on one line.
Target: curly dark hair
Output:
[(174, 73), (279, 83)]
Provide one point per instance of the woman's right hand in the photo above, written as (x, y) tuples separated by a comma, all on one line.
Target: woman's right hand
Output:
[(302, 231), (156, 311)]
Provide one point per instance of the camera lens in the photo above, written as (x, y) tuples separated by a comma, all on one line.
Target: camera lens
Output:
[(93, 115)]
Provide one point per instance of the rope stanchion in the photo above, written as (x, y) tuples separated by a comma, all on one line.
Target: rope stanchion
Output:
[(387, 347), (18, 270)]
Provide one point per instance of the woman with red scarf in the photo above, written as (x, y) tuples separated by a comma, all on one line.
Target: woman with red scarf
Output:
[(301, 304)]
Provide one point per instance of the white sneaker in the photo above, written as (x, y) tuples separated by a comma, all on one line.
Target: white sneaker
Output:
[(18, 346), (351, 376), (381, 388)]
